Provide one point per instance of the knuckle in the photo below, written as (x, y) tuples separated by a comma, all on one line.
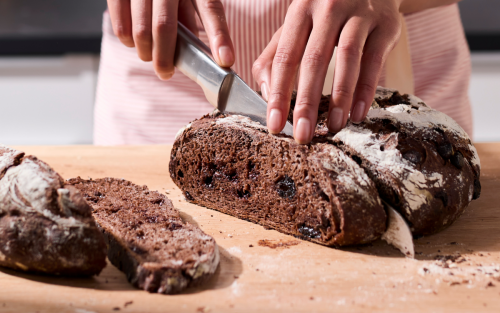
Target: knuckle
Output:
[(333, 5), (164, 23), (142, 33), (342, 91), (315, 59), (284, 58), (258, 67), (350, 49), (122, 32), (306, 104), (213, 5), (366, 86), (279, 97), (392, 26), (375, 58)]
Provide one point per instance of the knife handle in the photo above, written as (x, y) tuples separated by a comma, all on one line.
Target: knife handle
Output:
[(194, 59)]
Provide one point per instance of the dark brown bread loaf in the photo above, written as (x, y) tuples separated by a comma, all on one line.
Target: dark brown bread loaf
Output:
[(417, 159), (315, 192), (422, 161), (45, 226), (147, 238)]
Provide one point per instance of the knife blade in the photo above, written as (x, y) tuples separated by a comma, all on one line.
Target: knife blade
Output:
[(223, 88), (398, 233)]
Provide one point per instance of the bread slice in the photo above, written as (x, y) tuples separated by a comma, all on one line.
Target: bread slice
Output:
[(45, 226), (146, 237), (417, 159), (315, 192)]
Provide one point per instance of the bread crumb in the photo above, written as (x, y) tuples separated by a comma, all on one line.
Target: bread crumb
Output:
[(273, 244)]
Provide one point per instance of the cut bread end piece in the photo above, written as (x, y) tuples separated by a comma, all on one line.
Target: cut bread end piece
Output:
[(146, 237), (45, 226), (422, 161)]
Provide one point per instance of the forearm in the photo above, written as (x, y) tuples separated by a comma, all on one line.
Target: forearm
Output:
[(411, 6)]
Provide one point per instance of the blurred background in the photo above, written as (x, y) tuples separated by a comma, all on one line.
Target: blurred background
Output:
[(49, 58)]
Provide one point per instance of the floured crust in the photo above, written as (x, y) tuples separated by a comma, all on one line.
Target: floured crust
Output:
[(231, 164), (420, 160), (8, 157), (146, 237), (45, 226)]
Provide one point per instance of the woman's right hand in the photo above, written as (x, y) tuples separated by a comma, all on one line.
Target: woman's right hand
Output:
[(151, 27)]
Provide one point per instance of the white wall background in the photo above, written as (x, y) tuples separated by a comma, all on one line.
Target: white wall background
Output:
[(484, 92), (49, 100)]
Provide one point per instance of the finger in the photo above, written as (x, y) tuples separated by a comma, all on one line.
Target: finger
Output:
[(291, 46), (164, 37), (214, 20), (187, 16), (141, 28), (121, 19), (261, 69), (377, 48), (313, 68), (349, 52)]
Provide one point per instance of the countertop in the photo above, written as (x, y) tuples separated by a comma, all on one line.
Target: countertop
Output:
[(304, 277)]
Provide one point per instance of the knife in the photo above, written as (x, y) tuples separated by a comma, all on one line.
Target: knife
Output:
[(223, 88), (398, 233)]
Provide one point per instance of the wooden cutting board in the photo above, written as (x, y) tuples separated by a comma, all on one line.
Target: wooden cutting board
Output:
[(302, 277)]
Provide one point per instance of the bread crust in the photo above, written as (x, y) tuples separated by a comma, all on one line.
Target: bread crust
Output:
[(422, 161), (45, 226)]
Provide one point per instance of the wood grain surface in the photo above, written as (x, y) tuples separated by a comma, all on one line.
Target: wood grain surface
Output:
[(300, 277)]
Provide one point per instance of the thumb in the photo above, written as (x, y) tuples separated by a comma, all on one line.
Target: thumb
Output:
[(212, 15)]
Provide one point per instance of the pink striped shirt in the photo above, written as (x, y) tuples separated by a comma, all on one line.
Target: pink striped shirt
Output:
[(134, 107)]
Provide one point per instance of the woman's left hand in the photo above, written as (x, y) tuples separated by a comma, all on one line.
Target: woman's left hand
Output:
[(364, 31)]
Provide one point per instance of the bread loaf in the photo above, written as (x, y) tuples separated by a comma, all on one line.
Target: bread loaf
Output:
[(422, 161), (415, 158), (146, 237), (45, 226)]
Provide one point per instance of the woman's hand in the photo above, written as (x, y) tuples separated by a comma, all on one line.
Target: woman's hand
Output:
[(364, 31), (151, 27)]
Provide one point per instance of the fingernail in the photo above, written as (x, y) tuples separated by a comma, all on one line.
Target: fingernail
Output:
[(274, 123), (335, 119), (303, 130), (265, 91), (358, 112), (226, 56)]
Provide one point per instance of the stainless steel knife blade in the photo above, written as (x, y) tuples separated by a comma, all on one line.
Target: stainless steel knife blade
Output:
[(398, 234), (223, 88)]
